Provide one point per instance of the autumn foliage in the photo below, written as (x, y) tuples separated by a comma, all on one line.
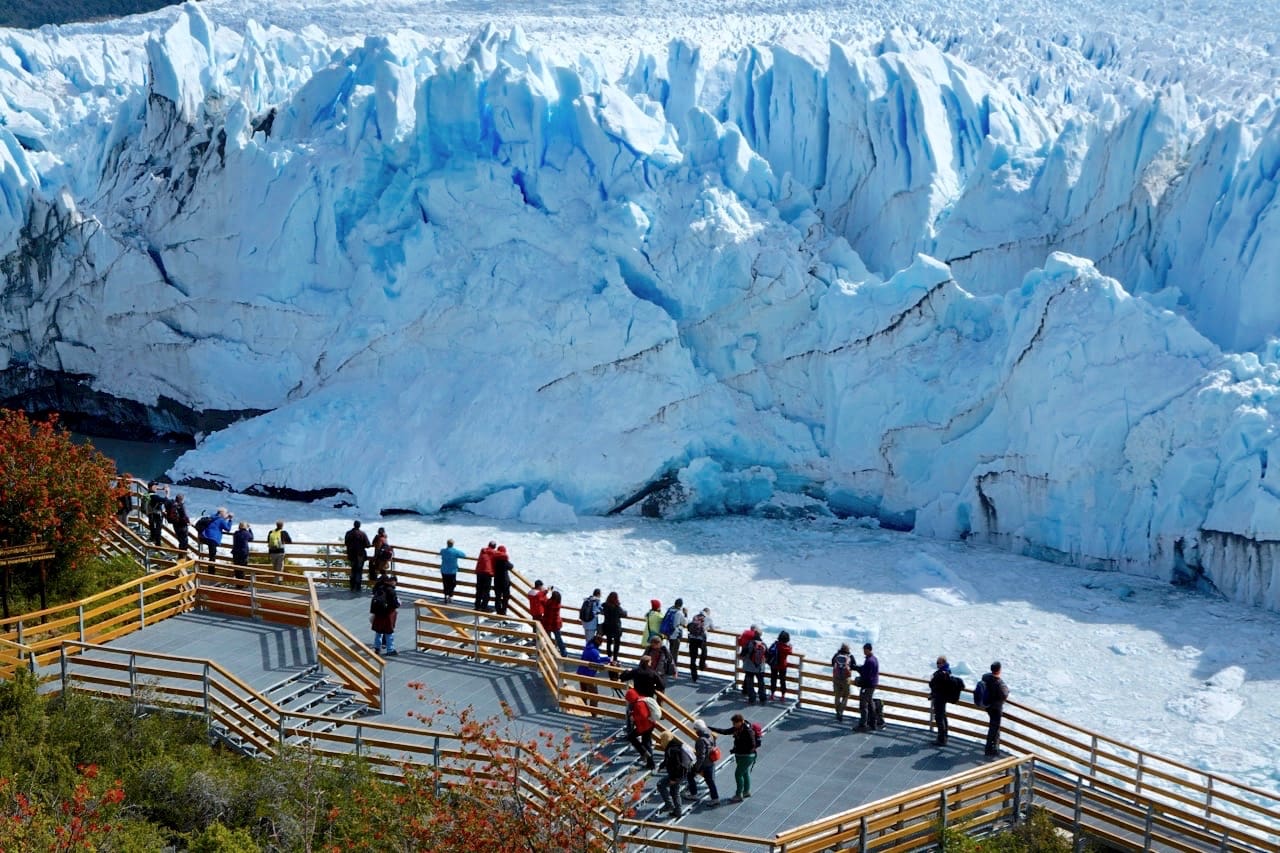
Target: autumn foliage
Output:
[(82, 821), (53, 492), (496, 793)]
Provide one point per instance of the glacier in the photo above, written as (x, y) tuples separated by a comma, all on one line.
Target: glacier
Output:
[(982, 285)]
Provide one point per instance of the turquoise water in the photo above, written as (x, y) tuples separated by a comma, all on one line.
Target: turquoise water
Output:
[(145, 460)]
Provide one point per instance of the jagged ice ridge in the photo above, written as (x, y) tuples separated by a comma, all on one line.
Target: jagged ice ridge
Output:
[(793, 277)]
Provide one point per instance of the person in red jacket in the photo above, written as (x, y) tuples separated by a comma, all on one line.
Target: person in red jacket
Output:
[(484, 576), (552, 621), (778, 667), (639, 727), (538, 600), (743, 639)]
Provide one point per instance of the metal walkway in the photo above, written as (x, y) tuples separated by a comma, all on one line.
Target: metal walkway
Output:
[(808, 766)]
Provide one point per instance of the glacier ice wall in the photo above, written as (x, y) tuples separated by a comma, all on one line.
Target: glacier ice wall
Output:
[(855, 277)]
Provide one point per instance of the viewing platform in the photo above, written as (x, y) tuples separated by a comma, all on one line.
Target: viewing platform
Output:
[(271, 664)]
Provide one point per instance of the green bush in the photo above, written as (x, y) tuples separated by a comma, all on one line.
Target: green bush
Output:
[(216, 838), (1037, 834)]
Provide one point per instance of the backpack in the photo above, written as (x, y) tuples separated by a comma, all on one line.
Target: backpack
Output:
[(757, 652), (171, 512), (757, 733), (771, 656), (202, 523), (980, 694), (957, 688), (687, 758), (275, 541), (588, 611), (384, 599), (655, 710), (385, 552), (841, 667), (668, 626), (698, 627)]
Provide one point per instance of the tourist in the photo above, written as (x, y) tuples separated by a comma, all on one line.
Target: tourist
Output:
[(939, 694), (673, 625), (592, 658), (868, 681), (753, 661), (660, 659), (357, 543), (501, 580), (382, 554), (553, 621), (744, 755), (703, 763), (155, 503), (219, 524), (647, 680), (639, 727), (181, 523), (240, 547), (383, 605), (611, 615), (276, 540), (697, 645), (538, 601), (675, 766), (484, 576), (449, 558), (653, 621), (778, 662), (589, 614), (841, 676), (997, 695)]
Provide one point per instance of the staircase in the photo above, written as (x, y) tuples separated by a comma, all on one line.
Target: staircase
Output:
[(307, 691)]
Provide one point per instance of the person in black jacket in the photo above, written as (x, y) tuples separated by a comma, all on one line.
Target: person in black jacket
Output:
[(675, 769), (744, 754), (501, 580), (939, 694), (997, 694), (611, 616), (181, 523), (357, 542)]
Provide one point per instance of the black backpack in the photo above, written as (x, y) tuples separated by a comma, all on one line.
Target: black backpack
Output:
[(587, 611), (202, 523), (957, 688)]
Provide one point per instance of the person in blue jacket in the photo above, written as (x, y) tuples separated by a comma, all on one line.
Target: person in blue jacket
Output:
[(449, 557), (592, 658), (212, 533)]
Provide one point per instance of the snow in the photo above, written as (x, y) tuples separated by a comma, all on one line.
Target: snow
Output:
[(1000, 277), (1154, 666)]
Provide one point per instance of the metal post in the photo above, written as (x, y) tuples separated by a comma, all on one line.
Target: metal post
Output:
[(280, 730), (80, 621), (435, 764), (1208, 797), (208, 717), (142, 605), (942, 808), (1075, 816), (359, 744), (1093, 758), (133, 681), (1017, 796), (862, 835), (19, 632), (253, 595), (1146, 829), (1141, 756), (475, 635), (799, 682), (32, 663)]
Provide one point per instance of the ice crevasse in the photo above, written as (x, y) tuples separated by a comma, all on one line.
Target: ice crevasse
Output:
[(848, 279)]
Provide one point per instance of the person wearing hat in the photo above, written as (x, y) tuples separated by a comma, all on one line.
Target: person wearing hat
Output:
[(501, 580), (676, 765), (639, 727), (868, 681), (653, 620), (703, 764)]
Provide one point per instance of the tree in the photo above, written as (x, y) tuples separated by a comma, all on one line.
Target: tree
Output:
[(85, 820), (53, 492)]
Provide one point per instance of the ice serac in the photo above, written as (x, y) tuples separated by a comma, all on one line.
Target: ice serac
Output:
[(859, 278)]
